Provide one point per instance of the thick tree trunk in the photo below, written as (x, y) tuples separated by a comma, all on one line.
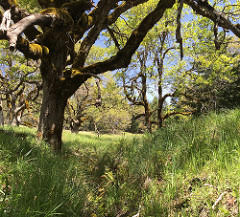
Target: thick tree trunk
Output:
[(1, 115), (148, 118), (52, 117), (54, 93), (1, 111)]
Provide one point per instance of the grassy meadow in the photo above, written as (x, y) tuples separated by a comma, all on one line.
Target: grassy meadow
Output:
[(189, 168)]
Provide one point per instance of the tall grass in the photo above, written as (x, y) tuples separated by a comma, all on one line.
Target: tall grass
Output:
[(180, 170)]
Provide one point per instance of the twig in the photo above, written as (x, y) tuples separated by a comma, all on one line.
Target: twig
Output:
[(218, 200), (113, 38), (138, 213)]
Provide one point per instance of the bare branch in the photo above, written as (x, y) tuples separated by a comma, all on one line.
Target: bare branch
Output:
[(93, 34), (130, 95), (113, 38), (166, 52), (18, 14), (122, 8), (35, 19)]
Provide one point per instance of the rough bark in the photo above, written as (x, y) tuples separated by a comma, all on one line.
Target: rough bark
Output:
[(54, 95), (15, 30), (52, 113), (1, 114), (52, 116)]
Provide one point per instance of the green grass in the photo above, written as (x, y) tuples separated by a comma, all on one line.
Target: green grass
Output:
[(181, 170)]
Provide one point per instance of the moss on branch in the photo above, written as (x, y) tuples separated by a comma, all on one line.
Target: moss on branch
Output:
[(32, 50)]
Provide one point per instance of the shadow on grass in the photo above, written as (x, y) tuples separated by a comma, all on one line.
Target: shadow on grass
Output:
[(15, 144), (36, 182), (74, 183), (14, 133)]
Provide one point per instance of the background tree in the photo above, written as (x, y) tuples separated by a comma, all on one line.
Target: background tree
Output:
[(149, 69), (213, 80), (19, 87), (114, 114), (84, 98)]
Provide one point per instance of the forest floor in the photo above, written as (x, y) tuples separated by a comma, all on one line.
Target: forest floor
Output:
[(189, 168)]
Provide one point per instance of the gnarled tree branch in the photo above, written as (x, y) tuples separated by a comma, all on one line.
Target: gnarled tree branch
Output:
[(123, 57), (18, 14), (35, 19)]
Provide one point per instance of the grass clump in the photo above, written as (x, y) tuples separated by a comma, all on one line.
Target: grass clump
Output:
[(189, 168)]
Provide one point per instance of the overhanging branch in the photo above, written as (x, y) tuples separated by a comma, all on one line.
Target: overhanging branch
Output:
[(35, 19), (123, 57), (18, 14), (93, 34)]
